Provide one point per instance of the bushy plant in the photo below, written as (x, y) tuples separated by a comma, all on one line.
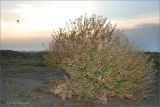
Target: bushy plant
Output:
[(100, 60)]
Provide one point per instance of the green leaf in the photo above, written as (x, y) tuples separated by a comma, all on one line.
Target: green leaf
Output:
[(120, 85)]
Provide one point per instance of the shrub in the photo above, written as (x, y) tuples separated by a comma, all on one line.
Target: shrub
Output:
[(100, 60)]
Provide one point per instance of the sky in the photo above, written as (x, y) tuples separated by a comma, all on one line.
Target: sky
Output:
[(139, 20)]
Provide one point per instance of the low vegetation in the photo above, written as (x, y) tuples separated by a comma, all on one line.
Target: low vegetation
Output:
[(12, 58), (100, 60), (155, 57)]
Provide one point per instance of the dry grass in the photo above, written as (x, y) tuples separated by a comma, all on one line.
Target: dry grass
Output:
[(100, 61)]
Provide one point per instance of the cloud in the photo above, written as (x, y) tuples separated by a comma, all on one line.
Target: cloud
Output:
[(37, 44), (131, 23), (142, 30), (45, 15), (146, 36), (38, 21)]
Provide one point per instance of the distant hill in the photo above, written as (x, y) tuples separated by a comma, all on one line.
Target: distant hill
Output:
[(9, 57), (17, 54)]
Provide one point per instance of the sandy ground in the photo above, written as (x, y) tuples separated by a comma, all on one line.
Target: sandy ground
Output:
[(27, 89)]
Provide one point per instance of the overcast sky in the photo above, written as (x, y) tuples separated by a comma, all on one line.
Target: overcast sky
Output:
[(139, 20)]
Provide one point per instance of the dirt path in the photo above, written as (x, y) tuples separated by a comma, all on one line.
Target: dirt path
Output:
[(27, 89)]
